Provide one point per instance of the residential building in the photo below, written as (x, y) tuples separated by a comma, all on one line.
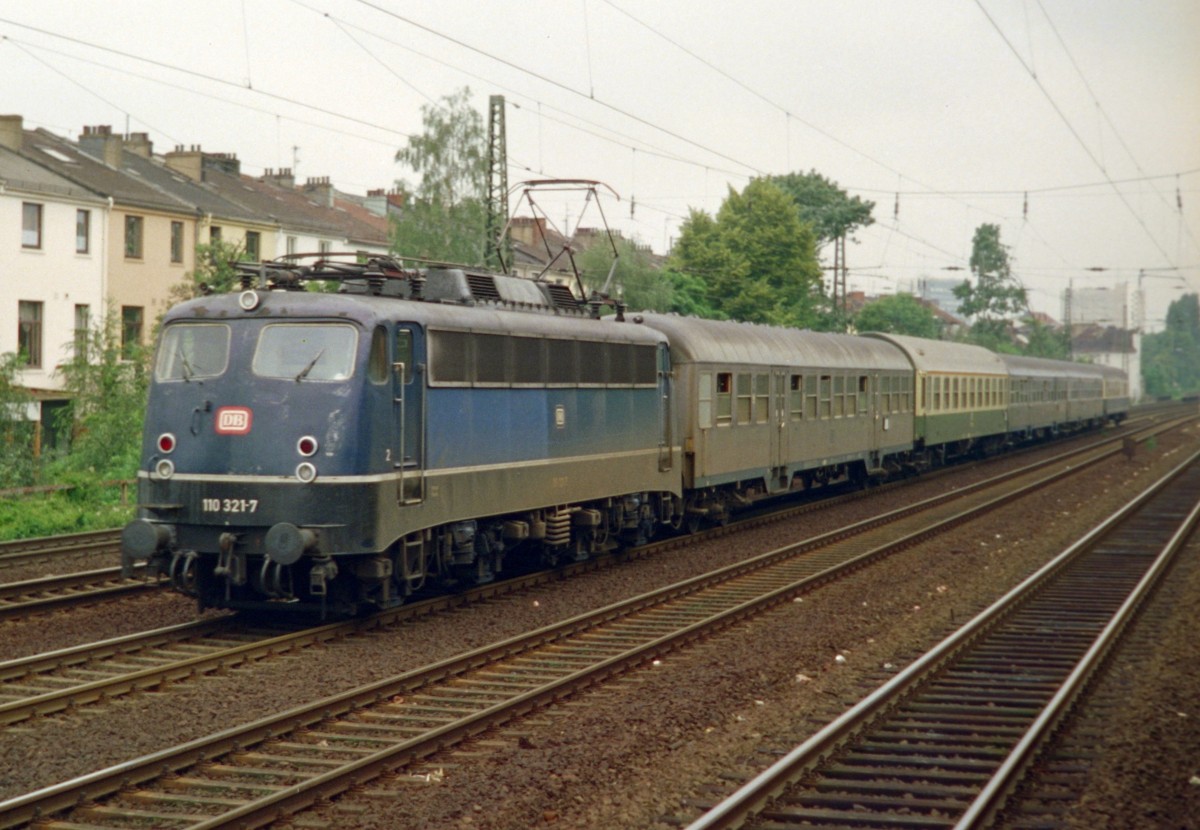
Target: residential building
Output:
[(52, 276)]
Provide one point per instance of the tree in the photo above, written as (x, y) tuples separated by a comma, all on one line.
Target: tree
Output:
[(18, 462), (1171, 358), (899, 314), (643, 287), (996, 295), (831, 212), (214, 272), (108, 383), (445, 214), (1045, 341), (757, 258)]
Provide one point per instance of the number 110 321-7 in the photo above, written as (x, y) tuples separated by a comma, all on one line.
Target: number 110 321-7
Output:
[(229, 505)]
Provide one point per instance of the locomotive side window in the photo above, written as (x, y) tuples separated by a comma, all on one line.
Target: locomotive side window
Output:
[(529, 360), (564, 361), (306, 351), (481, 359), (450, 356), (491, 358), (377, 362), (192, 350)]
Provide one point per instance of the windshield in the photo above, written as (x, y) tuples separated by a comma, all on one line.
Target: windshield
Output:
[(192, 351), (306, 351)]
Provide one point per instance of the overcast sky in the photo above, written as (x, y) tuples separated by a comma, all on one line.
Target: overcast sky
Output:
[(945, 113)]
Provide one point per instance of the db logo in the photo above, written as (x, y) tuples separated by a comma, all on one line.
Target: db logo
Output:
[(234, 420)]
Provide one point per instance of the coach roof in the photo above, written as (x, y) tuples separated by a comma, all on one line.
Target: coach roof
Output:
[(721, 342), (942, 357)]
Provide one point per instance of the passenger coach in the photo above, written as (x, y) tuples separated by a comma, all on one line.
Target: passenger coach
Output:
[(765, 409)]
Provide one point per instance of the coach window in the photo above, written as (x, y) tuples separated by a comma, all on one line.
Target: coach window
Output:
[(724, 398), (745, 397), (810, 397), (796, 398), (839, 396), (762, 408), (864, 400), (704, 400), (826, 396)]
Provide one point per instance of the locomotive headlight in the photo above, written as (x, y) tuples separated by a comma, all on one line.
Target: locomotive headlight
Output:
[(248, 300), (307, 446), (166, 443), (164, 468), (306, 472)]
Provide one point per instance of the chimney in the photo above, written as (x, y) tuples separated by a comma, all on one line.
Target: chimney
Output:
[(282, 177), (139, 144), (320, 190), (376, 202), (187, 162), (100, 143), (12, 131)]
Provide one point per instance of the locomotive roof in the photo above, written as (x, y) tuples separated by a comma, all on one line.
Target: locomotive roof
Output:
[(369, 310), (942, 356), (721, 341)]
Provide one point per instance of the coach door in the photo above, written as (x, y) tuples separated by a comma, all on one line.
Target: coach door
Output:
[(409, 407), (780, 388)]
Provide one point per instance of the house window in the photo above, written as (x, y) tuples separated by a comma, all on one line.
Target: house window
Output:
[(323, 246), (253, 246), (291, 244), (31, 225), (214, 234), (83, 323), (176, 242), (83, 231), (133, 237), (131, 330), (29, 333)]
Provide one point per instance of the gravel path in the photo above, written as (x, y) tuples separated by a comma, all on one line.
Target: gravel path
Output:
[(639, 750)]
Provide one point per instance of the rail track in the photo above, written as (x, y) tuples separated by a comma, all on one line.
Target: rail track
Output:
[(253, 774), (23, 551), (946, 742), (31, 596), (98, 672)]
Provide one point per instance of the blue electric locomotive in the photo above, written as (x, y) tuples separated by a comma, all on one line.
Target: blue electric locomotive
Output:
[(342, 450)]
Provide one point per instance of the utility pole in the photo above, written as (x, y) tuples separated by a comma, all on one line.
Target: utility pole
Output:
[(497, 196)]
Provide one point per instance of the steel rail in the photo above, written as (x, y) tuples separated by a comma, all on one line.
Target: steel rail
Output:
[(755, 796)]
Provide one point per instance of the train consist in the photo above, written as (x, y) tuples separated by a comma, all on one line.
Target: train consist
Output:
[(420, 428)]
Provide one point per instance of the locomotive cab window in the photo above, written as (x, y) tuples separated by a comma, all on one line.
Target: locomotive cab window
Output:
[(306, 351), (191, 351)]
